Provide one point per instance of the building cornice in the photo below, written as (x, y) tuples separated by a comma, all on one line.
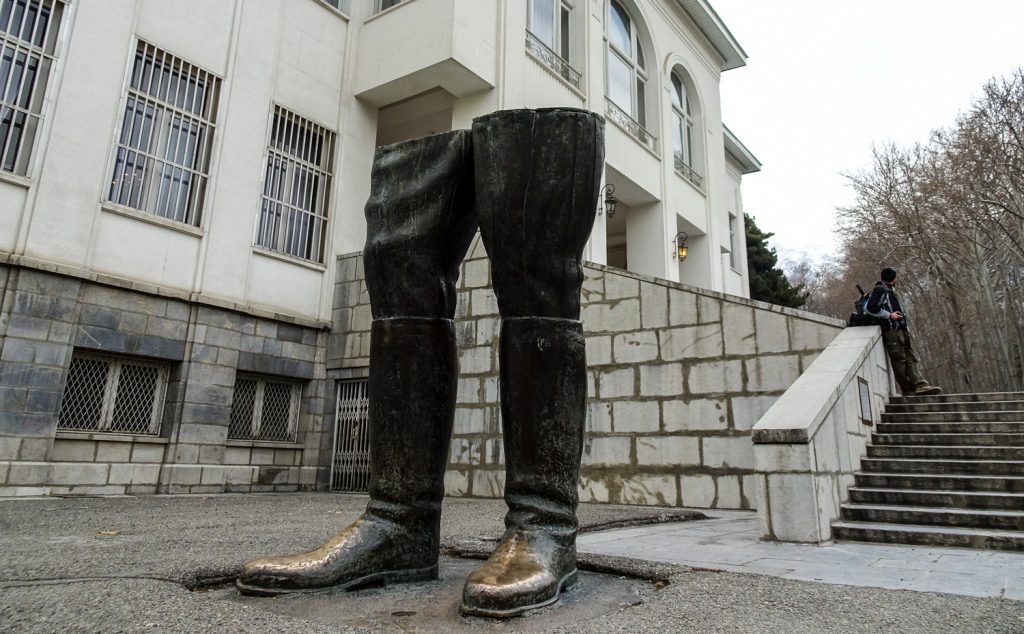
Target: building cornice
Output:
[(718, 34), (739, 152)]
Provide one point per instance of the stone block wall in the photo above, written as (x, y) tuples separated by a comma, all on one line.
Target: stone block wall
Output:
[(47, 316), (677, 377)]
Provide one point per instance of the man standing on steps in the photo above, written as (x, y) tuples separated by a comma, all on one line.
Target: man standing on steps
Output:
[(884, 306)]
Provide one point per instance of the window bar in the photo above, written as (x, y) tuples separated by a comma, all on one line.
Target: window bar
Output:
[(180, 150), (146, 78), (284, 211), (38, 15), (275, 182), (161, 199), (129, 157), (16, 133)]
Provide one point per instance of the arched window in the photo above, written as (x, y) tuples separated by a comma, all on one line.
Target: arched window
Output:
[(627, 74), (682, 122), (685, 118)]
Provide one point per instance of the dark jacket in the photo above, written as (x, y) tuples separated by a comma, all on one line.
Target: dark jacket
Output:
[(882, 302)]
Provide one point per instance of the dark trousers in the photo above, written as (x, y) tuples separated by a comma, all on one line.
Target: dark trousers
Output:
[(903, 359)]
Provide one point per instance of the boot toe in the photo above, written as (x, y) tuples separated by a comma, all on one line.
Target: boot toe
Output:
[(497, 591), (518, 577)]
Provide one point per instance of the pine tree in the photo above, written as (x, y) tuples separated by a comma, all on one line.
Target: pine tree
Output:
[(767, 281)]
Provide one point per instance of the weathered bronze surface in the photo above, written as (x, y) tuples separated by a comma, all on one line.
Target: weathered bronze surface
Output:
[(535, 217), (420, 221), (536, 175)]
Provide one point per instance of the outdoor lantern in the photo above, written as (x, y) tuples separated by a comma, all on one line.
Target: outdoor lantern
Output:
[(680, 244), (609, 201)]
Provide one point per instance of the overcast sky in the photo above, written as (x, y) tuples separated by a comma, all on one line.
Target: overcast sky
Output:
[(827, 78)]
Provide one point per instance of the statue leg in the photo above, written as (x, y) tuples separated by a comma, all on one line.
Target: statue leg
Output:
[(536, 213), (420, 221)]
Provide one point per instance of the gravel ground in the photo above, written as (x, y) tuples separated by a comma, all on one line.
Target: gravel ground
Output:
[(118, 564)]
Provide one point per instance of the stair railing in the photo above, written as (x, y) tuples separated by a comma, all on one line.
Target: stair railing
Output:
[(808, 445)]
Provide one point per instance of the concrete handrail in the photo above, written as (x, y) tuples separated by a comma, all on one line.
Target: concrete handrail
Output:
[(809, 443)]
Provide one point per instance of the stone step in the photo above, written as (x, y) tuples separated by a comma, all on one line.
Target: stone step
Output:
[(1009, 416), (956, 406), (949, 482), (939, 498), (979, 440), (943, 467), (931, 516), (928, 535), (961, 398), (950, 428), (955, 452)]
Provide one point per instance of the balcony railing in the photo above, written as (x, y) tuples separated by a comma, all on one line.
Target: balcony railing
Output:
[(552, 60), (687, 172), (637, 131)]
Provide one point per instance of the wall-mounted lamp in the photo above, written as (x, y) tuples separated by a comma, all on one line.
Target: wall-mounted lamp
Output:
[(680, 245), (608, 201)]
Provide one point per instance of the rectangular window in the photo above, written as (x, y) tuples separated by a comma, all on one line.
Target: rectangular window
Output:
[(28, 41), (549, 37), (113, 395), (733, 242), (264, 409), (163, 152), (382, 5), (296, 187)]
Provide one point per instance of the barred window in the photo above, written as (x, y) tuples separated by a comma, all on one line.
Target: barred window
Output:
[(264, 409), (28, 41), (296, 187), (163, 150), (113, 395)]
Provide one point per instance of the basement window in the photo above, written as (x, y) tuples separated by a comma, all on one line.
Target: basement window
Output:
[(264, 409), (113, 395)]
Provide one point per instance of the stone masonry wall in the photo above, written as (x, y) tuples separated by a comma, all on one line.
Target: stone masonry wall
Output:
[(677, 378), (45, 317)]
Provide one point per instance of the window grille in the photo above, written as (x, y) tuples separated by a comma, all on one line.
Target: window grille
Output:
[(113, 395), (28, 41), (264, 409), (296, 187), (350, 466), (163, 151)]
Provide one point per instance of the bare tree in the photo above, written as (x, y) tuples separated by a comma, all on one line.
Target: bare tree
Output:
[(949, 214)]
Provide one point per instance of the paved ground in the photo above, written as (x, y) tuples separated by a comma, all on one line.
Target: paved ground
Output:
[(729, 542), (124, 564)]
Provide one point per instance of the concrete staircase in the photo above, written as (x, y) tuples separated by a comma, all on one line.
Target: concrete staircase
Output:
[(944, 471)]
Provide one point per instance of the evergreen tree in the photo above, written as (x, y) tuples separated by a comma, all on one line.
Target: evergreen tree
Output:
[(767, 281)]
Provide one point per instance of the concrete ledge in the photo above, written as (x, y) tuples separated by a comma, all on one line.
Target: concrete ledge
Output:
[(798, 414)]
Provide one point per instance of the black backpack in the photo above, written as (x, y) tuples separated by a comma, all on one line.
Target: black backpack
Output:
[(860, 316)]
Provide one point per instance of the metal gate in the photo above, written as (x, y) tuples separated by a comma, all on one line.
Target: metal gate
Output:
[(350, 467)]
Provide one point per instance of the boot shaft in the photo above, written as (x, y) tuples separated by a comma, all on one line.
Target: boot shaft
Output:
[(412, 387), (420, 220), (537, 178), (543, 407)]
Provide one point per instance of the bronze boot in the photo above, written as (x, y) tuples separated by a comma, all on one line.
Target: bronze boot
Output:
[(420, 221), (536, 214)]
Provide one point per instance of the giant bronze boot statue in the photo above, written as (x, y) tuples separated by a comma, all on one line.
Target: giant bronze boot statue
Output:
[(536, 212), (420, 221)]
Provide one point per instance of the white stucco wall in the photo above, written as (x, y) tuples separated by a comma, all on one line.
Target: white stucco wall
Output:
[(337, 70)]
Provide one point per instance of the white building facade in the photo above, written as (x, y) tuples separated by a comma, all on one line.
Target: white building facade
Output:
[(177, 179)]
